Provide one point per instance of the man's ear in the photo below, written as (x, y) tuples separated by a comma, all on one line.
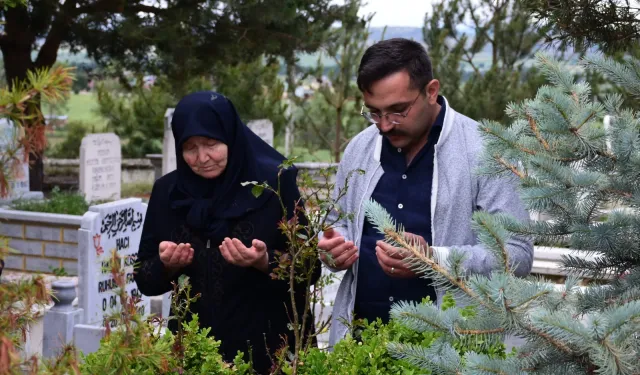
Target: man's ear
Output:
[(432, 91)]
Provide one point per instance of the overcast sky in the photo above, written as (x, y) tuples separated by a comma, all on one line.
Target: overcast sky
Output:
[(396, 12)]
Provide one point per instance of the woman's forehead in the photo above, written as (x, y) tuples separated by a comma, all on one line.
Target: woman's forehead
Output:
[(199, 139)]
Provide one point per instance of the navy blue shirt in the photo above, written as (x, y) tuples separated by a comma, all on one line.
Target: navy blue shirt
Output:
[(405, 192)]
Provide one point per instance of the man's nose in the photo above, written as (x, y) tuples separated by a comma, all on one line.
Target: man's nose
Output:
[(385, 125)]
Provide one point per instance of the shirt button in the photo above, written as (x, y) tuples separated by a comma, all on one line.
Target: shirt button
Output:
[(391, 299), (399, 149), (404, 176), (400, 206)]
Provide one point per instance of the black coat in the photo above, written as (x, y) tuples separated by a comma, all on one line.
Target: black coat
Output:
[(243, 306)]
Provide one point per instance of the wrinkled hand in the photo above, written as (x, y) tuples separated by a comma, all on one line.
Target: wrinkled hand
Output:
[(234, 251), (391, 259), (175, 256), (343, 253)]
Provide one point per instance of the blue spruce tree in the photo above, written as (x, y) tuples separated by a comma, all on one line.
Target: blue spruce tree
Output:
[(585, 178)]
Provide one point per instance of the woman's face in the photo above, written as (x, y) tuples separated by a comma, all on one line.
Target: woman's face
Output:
[(207, 157)]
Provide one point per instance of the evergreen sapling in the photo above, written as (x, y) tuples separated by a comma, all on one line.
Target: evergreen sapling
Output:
[(585, 178)]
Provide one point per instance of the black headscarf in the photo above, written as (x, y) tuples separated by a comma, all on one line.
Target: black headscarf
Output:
[(211, 202)]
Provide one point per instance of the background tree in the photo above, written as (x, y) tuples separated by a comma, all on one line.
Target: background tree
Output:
[(135, 112), (136, 116), (611, 25), (255, 90), (332, 115), (479, 51), (589, 27), (177, 37)]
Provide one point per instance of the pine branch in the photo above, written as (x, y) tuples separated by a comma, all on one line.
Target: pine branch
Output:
[(534, 128), (510, 167), (440, 358)]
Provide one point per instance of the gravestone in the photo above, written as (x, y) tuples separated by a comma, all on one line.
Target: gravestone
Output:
[(107, 228), (100, 167), (168, 144), (18, 169), (262, 128)]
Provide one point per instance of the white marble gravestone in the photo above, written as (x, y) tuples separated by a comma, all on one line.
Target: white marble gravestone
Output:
[(107, 228), (18, 170), (262, 128), (168, 144), (100, 167)]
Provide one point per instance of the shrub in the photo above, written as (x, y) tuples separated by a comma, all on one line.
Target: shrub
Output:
[(60, 202), (368, 354), (69, 148)]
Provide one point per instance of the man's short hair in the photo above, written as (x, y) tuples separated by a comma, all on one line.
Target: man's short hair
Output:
[(391, 56)]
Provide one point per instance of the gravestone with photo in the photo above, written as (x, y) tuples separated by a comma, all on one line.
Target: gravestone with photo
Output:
[(100, 167)]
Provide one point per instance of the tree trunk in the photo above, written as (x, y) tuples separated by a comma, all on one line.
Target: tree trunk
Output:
[(337, 144), (17, 62), (16, 45)]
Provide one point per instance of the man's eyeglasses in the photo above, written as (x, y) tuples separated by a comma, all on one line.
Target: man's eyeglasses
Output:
[(394, 118)]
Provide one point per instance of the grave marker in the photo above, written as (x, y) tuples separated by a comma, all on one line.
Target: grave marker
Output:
[(262, 128), (18, 171), (168, 144), (109, 227), (100, 167)]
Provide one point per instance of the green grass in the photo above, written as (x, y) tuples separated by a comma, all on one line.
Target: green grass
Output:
[(80, 107), (140, 189), (83, 107), (303, 155)]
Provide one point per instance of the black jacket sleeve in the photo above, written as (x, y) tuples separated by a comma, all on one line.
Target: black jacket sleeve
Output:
[(151, 276)]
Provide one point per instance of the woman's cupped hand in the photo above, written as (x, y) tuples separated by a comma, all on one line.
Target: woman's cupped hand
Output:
[(175, 256), (236, 253)]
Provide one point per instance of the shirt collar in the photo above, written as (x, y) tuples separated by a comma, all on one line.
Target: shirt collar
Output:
[(443, 109)]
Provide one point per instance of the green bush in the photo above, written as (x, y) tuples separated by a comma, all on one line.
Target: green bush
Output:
[(368, 353), (136, 117), (69, 148), (198, 354), (138, 347), (60, 202)]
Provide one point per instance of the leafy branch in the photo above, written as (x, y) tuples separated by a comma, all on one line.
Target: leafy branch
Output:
[(20, 106)]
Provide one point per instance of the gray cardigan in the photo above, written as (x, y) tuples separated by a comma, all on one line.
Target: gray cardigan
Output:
[(456, 193)]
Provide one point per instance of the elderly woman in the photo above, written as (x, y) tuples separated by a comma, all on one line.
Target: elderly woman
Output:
[(201, 222)]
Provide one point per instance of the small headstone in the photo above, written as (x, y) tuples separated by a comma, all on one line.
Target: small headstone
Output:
[(263, 129), (109, 227), (100, 167), (168, 144), (18, 170)]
